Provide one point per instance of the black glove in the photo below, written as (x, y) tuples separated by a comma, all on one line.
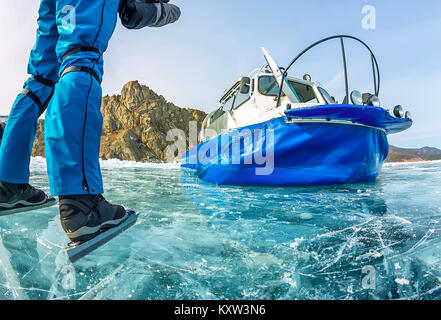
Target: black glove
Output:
[(137, 14)]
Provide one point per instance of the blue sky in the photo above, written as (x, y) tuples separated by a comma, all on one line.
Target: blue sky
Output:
[(192, 61)]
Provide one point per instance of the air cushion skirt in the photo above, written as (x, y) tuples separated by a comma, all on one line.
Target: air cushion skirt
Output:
[(323, 145)]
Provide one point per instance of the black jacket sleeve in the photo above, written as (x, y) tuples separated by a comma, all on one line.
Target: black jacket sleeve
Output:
[(137, 14)]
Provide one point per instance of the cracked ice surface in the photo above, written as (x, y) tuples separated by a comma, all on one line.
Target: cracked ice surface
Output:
[(199, 241)]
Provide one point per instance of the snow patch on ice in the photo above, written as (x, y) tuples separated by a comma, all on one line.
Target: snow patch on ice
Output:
[(116, 164), (402, 281), (306, 216), (404, 221), (406, 164), (287, 279), (296, 243)]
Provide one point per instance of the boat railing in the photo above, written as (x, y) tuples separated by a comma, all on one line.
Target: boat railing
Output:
[(375, 68)]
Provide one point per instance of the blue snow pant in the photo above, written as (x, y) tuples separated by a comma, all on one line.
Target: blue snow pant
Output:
[(66, 68)]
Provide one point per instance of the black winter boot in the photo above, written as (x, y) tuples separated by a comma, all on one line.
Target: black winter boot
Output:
[(20, 195), (83, 217)]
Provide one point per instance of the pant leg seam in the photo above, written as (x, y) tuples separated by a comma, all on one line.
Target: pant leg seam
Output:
[(84, 133), (101, 25)]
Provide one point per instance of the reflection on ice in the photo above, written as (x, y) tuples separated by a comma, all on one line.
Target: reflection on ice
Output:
[(194, 240)]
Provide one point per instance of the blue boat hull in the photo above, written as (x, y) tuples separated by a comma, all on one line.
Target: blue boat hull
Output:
[(320, 149)]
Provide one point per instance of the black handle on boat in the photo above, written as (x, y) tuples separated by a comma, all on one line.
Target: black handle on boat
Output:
[(341, 37)]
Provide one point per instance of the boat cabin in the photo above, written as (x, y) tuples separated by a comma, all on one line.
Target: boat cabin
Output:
[(254, 98)]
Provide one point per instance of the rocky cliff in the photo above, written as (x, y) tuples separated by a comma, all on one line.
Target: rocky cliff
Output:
[(137, 121), (413, 155), (135, 125)]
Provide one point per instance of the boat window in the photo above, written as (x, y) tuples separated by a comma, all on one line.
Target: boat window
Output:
[(268, 86), (326, 96), (304, 92), (229, 103), (241, 98), (219, 113)]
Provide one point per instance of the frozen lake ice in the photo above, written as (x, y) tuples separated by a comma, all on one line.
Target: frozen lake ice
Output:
[(193, 240)]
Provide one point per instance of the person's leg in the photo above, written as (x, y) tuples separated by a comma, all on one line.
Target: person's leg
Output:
[(73, 123), (21, 127)]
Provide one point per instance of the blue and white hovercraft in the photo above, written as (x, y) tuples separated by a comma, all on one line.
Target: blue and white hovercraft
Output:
[(295, 134)]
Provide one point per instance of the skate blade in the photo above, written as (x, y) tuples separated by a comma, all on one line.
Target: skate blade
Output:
[(49, 203), (76, 252)]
